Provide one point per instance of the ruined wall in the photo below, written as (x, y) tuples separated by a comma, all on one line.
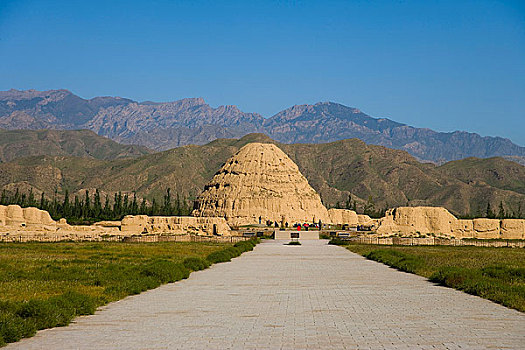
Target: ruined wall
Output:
[(407, 221), (143, 224), (343, 216), (36, 219), (23, 224)]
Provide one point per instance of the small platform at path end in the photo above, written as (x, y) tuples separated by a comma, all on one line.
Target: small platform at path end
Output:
[(289, 234)]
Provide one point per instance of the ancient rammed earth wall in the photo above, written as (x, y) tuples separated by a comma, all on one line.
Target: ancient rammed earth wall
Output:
[(439, 221), (34, 224), (413, 221), (18, 223)]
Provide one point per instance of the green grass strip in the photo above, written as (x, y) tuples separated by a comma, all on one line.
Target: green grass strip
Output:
[(22, 319), (496, 274)]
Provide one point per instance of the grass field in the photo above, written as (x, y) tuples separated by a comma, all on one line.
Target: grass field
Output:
[(45, 285), (497, 274)]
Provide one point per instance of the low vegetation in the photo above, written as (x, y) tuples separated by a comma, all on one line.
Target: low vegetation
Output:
[(497, 274), (293, 243), (45, 285)]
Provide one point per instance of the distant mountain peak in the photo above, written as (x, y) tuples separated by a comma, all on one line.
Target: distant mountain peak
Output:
[(163, 125)]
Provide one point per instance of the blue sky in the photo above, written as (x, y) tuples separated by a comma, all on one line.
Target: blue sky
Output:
[(445, 65)]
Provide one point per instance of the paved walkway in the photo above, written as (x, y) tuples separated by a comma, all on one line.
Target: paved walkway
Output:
[(313, 296)]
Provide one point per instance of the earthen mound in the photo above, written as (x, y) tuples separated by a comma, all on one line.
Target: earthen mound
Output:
[(260, 182)]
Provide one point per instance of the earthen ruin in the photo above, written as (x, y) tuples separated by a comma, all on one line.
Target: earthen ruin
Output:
[(32, 224), (260, 183)]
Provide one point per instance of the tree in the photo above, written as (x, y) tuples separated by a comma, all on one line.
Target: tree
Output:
[(178, 207), (66, 206), (77, 208), (349, 202), (107, 214), (501, 212), (489, 213), (97, 205), (86, 212), (143, 207), (4, 199), (43, 201), (31, 199), (166, 206), (369, 206), (134, 205)]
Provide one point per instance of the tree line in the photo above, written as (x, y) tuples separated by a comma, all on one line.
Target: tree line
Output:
[(91, 208), (369, 208), (501, 213)]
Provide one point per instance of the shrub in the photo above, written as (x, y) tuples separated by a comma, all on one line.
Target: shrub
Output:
[(396, 259), (165, 271), (13, 328), (44, 315), (227, 254), (498, 287), (246, 245), (79, 304), (196, 264), (505, 272), (224, 255), (293, 243), (338, 241)]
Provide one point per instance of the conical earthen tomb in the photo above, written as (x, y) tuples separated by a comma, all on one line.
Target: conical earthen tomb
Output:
[(260, 182)]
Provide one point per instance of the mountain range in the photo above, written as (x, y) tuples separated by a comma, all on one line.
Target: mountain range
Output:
[(161, 126), (336, 170)]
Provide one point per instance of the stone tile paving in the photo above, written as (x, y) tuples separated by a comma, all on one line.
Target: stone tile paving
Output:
[(313, 296)]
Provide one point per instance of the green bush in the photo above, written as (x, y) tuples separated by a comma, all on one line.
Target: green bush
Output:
[(196, 264), (495, 283), (13, 328), (293, 243), (338, 241), (227, 254), (514, 274), (396, 259), (22, 319), (247, 245), (221, 256), (44, 315), (165, 271)]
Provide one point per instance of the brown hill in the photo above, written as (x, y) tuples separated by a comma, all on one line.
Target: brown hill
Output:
[(79, 143), (338, 169)]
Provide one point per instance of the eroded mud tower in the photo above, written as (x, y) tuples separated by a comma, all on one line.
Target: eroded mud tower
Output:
[(260, 182)]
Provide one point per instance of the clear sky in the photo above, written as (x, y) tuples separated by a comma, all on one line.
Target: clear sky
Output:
[(445, 65)]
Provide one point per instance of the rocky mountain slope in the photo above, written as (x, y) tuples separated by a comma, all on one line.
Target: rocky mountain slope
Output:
[(79, 143), (162, 126), (335, 170)]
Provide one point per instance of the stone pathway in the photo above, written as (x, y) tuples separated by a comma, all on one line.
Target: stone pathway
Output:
[(313, 296)]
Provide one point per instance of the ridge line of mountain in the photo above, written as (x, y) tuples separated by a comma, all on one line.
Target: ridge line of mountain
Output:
[(164, 125)]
